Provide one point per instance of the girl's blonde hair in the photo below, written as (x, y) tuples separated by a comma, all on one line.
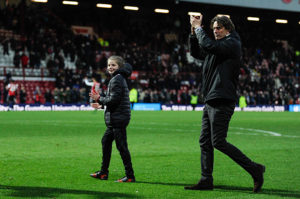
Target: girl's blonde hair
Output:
[(118, 59)]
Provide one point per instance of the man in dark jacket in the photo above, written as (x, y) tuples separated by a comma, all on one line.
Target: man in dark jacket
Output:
[(117, 117), (220, 77)]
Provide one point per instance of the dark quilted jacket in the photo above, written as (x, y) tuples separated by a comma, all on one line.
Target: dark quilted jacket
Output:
[(117, 112)]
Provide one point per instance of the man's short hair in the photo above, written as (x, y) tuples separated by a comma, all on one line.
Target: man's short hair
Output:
[(224, 22)]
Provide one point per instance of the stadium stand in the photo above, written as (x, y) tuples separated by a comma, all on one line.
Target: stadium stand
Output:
[(43, 45)]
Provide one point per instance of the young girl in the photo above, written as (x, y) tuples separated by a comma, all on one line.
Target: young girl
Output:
[(117, 117)]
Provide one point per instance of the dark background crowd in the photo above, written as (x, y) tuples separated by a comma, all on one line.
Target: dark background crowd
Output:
[(154, 44)]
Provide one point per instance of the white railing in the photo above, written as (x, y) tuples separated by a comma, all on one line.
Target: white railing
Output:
[(24, 72)]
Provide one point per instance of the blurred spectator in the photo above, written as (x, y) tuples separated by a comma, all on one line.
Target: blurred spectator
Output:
[(12, 92), (24, 60), (48, 96), (184, 96), (147, 96), (17, 59), (5, 95), (75, 95), (174, 99), (242, 102), (154, 97), (67, 95), (83, 98), (194, 100), (5, 44), (56, 96), (22, 95), (61, 96), (37, 95), (133, 96)]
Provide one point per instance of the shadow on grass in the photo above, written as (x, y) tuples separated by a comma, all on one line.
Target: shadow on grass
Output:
[(226, 188), (274, 192), (163, 183), (49, 192)]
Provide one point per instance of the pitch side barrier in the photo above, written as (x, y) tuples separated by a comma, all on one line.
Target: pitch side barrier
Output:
[(45, 107), (143, 107), (247, 109), (175, 107)]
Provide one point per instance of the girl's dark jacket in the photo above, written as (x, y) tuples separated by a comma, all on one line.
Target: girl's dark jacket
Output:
[(221, 67), (116, 101)]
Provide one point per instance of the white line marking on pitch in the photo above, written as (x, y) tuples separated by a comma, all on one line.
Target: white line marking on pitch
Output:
[(133, 125), (259, 130)]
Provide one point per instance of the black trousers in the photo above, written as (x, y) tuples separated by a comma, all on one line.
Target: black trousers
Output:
[(119, 135), (215, 122)]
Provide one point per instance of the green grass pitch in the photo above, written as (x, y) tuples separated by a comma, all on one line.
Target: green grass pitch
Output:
[(51, 154)]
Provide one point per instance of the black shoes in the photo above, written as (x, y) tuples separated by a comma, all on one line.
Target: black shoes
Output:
[(258, 178), (202, 185), (100, 175), (126, 179)]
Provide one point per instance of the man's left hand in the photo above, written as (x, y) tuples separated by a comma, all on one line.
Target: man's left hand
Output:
[(196, 21)]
